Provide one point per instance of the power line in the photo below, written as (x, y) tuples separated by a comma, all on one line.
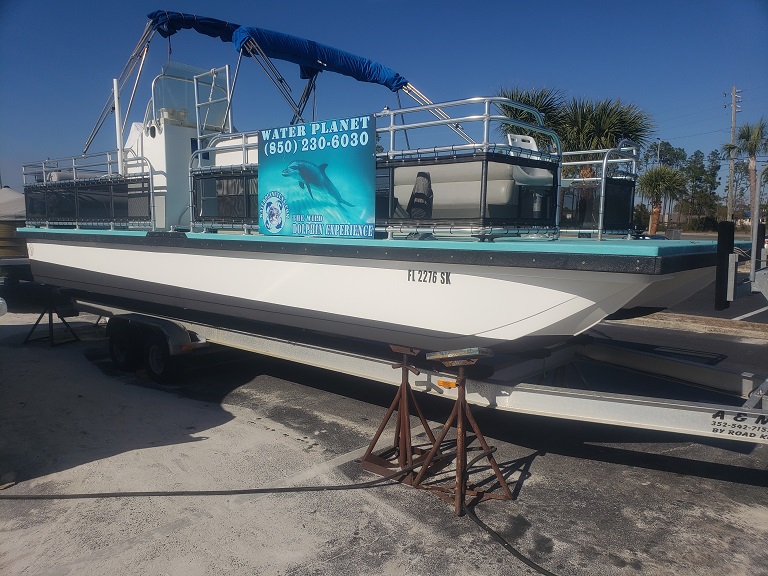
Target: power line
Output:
[(687, 106), (755, 98), (710, 105), (710, 108), (701, 120), (699, 134)]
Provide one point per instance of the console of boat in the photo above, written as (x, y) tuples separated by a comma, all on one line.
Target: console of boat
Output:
[(437, 226)]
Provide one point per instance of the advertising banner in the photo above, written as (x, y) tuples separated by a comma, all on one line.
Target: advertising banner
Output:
[(318, 179)]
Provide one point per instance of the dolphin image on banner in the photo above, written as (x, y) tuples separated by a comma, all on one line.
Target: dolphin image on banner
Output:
[(309, 175)]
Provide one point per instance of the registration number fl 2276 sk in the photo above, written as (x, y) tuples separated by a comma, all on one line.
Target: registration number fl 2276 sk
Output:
[(429, 277)]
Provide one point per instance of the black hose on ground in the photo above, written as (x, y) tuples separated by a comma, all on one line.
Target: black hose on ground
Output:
[(469, 510), (499, 539), (236, 492), (495, 536)]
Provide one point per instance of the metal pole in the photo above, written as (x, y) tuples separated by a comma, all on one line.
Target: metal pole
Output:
[(230, 91), (149, 32), (601, 213), (135, 86), (755, 223), (734, 109), (118, 127), (460, 490)]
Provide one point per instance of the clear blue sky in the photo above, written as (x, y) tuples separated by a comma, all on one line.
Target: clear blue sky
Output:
[(673, 58)]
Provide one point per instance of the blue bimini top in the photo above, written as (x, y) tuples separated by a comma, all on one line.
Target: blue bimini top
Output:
[(312, 57)]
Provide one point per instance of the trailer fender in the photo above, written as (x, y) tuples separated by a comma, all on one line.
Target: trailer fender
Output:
[(179, 339)]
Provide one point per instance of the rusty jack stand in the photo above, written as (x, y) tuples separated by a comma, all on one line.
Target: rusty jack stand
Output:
[(462, 414), (401, 455), (51, 309)]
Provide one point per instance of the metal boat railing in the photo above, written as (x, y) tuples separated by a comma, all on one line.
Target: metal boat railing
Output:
[(490, 122), (489, 118), (595, 158), (226, 156), (87, 166), (633, 155), (246, 143), (471, 231), (483, 130), (231, 154), (218, 94), (57, 190), (186, 98), (477, 131), (620, 161)]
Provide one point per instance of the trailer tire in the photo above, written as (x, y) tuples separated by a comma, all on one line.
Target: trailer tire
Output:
[(160, 365), (125, 344)]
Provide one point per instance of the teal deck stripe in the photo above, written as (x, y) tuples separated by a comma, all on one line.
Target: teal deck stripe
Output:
[(614, 247)]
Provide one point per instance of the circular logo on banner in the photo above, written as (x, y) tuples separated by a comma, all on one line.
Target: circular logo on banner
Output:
[(274, 212)]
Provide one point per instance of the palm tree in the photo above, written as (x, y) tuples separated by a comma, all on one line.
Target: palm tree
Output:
[(589, 125), (583, 124), (657, 184), (751, 139), (548, 101)]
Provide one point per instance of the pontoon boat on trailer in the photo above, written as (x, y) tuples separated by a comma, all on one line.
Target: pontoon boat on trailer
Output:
[(352, 227)]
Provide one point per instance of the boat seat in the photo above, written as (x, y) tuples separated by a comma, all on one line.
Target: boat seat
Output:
[(61, 175), (525, 175), (523, 142), (456, 186)]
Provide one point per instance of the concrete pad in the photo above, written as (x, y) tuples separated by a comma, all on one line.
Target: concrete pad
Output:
[(589, 499)]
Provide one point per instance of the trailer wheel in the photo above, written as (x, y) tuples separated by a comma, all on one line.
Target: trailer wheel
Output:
[(160, 365), (125, 348)]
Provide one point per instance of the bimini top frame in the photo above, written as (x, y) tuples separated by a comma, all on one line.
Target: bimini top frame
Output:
[(264, 45)]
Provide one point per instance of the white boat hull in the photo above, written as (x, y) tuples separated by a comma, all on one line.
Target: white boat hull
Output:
[(427, 305)]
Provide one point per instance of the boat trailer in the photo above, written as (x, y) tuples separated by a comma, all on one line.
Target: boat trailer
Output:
[(557, 383)]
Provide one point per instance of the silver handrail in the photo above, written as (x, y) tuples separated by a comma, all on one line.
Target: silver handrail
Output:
[(89, 168), (486, 118), (241, 143), (95, 165), (620, 150), (206, 105), (550, 232)]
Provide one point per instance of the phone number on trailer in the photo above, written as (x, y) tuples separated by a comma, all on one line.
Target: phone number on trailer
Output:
[(351, 140)]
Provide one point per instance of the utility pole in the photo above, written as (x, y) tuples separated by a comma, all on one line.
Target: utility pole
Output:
[(735, 98)]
